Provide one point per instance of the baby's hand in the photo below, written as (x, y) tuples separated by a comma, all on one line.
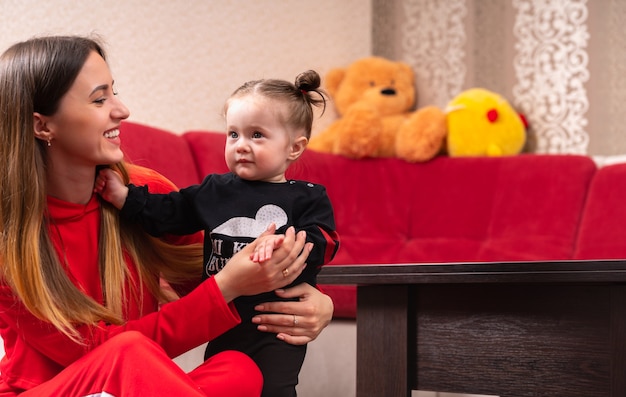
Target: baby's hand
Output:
[(110, 186), (265, 247)]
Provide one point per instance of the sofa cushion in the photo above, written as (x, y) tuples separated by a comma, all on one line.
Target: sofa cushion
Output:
[(602, 232), (208, 151), (524, 207), (160, 150), (371, 217)]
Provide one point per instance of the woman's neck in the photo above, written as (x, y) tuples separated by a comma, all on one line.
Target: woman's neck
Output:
[(71, 185)]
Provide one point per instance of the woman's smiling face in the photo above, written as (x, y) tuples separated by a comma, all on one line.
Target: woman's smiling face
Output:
[(85, 129)]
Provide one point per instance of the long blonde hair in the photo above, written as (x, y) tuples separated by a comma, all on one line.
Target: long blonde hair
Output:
[(34, 76)]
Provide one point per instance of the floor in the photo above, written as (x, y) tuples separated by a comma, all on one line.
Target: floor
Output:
[(329, 368)]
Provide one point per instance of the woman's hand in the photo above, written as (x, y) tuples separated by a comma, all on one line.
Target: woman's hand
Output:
[(242, 276), (298, 322)]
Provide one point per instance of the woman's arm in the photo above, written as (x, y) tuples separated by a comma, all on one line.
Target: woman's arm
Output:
[(298, 322), (178, 326)]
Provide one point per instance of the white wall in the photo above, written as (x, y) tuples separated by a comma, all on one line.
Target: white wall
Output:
[(176, 61)]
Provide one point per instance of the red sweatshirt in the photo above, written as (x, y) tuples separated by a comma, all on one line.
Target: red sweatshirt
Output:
[(35, 351)]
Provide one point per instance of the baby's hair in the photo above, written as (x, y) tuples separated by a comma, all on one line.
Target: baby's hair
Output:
[(299, 97)]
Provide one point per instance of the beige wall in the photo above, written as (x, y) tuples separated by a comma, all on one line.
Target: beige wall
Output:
[(561, 62), (176, 61)]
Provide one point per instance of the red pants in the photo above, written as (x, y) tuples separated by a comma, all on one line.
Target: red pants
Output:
[(132, 365)]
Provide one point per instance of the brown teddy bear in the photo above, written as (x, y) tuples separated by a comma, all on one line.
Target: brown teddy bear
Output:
[(374, 98)]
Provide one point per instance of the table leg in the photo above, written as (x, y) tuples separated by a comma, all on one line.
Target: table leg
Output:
[(383, 345)]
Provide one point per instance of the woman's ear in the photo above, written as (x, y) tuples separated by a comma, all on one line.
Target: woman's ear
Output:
[(40, 127), (297, 147)]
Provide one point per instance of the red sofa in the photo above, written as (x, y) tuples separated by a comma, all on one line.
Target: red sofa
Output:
[(526, 207)]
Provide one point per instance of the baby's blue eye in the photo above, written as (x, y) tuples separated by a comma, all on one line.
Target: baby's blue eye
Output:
[(257, 134)]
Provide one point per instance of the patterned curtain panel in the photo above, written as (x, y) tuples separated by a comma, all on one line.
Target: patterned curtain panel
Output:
[(552, 68)]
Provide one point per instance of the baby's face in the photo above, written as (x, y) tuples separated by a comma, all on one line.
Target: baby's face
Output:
[(259, 144)]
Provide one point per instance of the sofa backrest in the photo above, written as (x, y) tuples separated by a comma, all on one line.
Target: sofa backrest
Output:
[(525, 207), (208, 151), (160, 150)]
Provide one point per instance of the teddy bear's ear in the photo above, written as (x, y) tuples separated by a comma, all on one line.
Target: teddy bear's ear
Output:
[(333, 79)]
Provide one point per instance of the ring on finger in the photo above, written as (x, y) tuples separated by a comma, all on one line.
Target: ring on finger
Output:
[(285, 273), (295, 320)]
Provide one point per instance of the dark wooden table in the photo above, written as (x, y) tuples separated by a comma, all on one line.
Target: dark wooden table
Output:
[(512, 329)]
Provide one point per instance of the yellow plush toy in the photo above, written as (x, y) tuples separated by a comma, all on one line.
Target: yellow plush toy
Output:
[(482, 123), (374, 98)]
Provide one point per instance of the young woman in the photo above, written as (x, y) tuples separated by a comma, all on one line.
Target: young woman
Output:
[(79, 289)]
